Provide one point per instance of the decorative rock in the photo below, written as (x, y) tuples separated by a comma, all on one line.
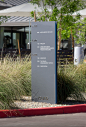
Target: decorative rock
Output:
[(25, 102)]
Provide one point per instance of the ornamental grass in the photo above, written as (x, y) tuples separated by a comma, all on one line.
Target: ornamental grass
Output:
[(15, 81), (71, 82)]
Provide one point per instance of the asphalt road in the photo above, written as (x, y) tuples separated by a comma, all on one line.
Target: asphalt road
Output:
[(64, 120)]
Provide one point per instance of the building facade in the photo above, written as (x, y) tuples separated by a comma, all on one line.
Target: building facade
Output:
[(18, 28), (15, 28)]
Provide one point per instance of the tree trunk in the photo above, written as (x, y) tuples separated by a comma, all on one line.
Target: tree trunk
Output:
[(19, 49), (72, 42), (35, 16), (59, 41)]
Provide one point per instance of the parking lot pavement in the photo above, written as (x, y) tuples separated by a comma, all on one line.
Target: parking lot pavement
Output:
[(63, 120)]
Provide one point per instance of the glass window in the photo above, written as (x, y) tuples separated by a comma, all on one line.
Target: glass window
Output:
[(27, 37), (7, 40), (16, 36), (18, 33), (7, 33)]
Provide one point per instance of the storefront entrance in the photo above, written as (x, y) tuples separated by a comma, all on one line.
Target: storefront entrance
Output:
[(12, 34)]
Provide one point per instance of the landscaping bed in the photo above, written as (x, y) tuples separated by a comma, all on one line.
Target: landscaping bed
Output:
[(15, 82), (25, 102)]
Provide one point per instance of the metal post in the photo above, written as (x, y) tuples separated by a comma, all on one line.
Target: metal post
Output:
[(12, 37), (29, 33)]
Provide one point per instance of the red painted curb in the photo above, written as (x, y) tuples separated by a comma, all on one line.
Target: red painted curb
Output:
[(43, 111)]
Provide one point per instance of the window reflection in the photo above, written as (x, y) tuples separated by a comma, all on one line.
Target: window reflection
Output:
[(18, 33), (7, 40), (27, 40), (16, 36)]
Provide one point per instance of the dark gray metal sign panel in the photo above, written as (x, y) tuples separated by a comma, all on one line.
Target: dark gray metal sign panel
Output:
[(44, 67)]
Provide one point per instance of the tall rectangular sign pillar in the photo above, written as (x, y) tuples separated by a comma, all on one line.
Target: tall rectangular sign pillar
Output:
[(44, 61)]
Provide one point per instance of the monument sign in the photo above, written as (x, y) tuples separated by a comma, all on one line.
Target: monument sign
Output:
[(44, 61)]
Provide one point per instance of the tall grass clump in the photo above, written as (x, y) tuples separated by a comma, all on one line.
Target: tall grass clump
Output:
[(71, 82), (15, 81), (78, 74)]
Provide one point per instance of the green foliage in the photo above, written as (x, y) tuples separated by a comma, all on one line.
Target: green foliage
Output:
[(3, 18), (63, 16), (55, 12), (66, 33), (35, 1), (79, 32), (32, 14)]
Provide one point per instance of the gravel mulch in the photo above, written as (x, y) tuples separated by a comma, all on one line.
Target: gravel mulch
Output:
[(25, 102)]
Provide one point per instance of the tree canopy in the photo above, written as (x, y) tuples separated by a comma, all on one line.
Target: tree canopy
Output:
[(62, 11)]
